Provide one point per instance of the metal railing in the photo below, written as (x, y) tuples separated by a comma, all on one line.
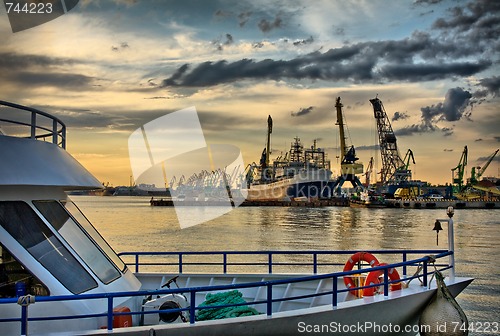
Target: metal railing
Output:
[(268, 285), (56, 132)]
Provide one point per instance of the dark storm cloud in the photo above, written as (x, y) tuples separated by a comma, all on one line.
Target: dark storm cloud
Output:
[(429, 72), (27, 70), (469, 33), (266, 26), (63, 80), (13, 61), (309, 40), (399, 116), (243, 18), (427, 2), (491, 87), (452, 109), (302, 111)]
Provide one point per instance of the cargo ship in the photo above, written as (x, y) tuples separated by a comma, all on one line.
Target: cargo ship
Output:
[(302, 174)]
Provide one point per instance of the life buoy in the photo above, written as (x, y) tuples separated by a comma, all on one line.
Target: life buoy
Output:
[(349, 265), (373, 279)]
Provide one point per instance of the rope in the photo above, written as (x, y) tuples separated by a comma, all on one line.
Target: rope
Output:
[(221, 299)]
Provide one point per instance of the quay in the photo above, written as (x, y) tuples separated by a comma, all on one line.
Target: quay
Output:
[(255, 203)]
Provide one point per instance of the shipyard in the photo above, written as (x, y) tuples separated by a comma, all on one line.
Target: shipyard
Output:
[(250, 168), (303, 177)]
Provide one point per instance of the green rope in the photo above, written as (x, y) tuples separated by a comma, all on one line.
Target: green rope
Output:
[(220, 299)]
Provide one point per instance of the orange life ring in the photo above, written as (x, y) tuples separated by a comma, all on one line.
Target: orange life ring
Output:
[(373, 279), (349, 265)]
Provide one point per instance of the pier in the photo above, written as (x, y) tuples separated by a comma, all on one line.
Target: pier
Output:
[(255, 203)]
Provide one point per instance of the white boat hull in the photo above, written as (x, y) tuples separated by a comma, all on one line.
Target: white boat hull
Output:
[(396, 314)]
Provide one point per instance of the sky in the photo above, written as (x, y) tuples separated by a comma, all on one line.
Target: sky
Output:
[(108, 67)]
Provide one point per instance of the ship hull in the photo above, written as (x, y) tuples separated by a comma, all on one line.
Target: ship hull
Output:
[(306, 184)]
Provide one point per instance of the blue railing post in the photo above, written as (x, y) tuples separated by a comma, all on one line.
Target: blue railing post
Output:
[(180, 262), (386, 282), (269, 307), (224, 258), (192, 306), (404, 266), (270, 262), (335, 289), (425, 273), (54, 132), (33, 125), (137, 263), (110, 313), (315, 263)]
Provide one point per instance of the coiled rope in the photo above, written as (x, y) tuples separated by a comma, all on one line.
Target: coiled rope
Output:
[(222, 299)]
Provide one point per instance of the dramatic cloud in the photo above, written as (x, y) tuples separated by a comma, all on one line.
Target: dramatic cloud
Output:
[(302, 111), (304, 41), (266, 26), (491, 87), (244, 17), (454, 107), (371, 62), (461, 45), (399, 116)]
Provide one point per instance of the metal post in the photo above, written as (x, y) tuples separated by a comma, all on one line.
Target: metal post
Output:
[(54, 132), (192, 306), (269, 306), (386, 282), (451, 247), (110, 313), (335, 289), (33, 125)]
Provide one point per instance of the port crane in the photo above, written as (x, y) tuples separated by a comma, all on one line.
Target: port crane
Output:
[(394, 169), (458, 173), (266, 173), (476, 177), (348, 165), (368, 173)]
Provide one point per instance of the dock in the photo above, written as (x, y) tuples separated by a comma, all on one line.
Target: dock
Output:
[(255, 203), (442, 203)]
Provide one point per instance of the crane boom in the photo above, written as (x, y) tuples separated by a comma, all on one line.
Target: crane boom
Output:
[(393, 167), (458, 171), (348, 165), (475, 177)]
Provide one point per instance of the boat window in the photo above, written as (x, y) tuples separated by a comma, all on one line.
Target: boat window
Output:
[(12, 271), (89, 228), (61, 221), (24, 225)]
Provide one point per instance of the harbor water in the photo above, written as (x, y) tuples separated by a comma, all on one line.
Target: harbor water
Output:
[(131, 224)]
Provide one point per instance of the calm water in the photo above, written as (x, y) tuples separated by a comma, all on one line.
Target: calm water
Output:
[(131, 224)]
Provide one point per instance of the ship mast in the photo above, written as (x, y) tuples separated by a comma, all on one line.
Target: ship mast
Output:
[(269, 131)]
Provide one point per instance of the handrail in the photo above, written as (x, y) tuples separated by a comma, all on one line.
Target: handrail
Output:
[(269, 254), (267, 284), (57, 132)]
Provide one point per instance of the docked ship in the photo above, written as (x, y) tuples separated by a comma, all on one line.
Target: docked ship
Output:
[(302, 174)]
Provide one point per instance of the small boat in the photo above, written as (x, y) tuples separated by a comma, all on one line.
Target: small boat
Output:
[(59, 276), (367, 199)]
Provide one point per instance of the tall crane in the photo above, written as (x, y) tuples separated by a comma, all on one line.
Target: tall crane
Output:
[(368, 173), (348, 165), (266, 174), (394, 169), (475, 177), (458, 173)]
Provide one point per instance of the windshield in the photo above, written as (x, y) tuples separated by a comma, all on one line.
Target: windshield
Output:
[(24, 225), (89, 228), (61, 221)]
